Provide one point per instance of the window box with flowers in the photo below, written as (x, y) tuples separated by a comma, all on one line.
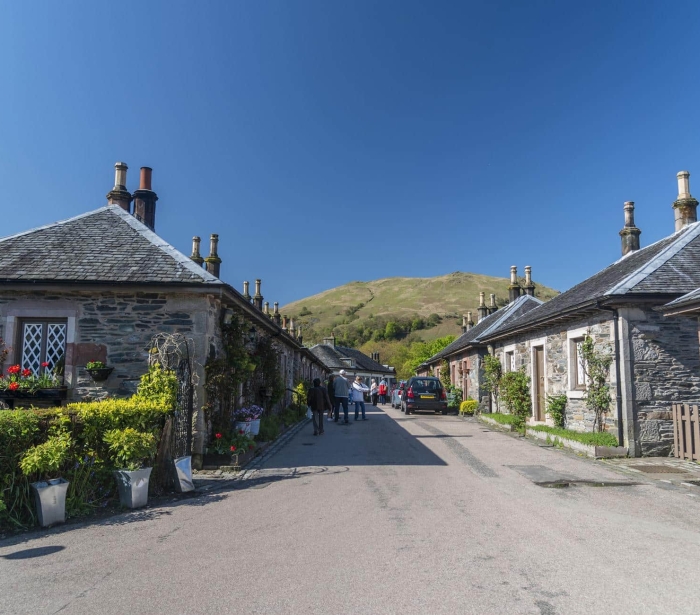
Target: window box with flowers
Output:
[(21, 383), (98, 371)]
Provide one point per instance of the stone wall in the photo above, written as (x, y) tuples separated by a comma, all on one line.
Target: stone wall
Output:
[(666, 370)]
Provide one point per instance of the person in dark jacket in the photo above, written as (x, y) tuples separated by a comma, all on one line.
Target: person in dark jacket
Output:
[(331, 395), (317, 399)]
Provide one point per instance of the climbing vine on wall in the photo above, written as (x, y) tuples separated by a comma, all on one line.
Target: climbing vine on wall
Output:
[(596, 365), (493, 372)]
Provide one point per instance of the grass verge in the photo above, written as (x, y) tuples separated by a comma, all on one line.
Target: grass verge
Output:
[(503, 419), (590, 438)]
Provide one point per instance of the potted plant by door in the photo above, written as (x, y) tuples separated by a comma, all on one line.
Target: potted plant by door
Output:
[(132, 451), (255, 413), (242, 420), (98, 371), (45, 461)]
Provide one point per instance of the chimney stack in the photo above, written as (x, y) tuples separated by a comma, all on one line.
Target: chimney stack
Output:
[(514, 288), (292, 329), (630, 233), (258, 298), (470, 322), (464, 324), (492, 306), (213, 262), (529, 286), (285, 323), (246, 291), (482, 310), (145, 200), (376, 357), (119, 195), (266, 308), (685, 205), (276, 314), (196, 256), (329, 341), (300, 338)]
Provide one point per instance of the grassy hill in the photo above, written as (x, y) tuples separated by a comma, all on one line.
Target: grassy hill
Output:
[(422, 308)]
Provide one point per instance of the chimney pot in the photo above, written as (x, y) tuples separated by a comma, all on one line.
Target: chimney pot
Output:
[(629, 233), (514, 288), (470, 322), (258, 298), (119, 195), (266, 308), (482, 311), (213, 261), (196, 256), (685, 206), (276, 314), (145, 200), (145, 183), (492, 306), (529, 286)]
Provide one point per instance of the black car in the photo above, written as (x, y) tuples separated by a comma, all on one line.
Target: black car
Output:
[(424, 393)]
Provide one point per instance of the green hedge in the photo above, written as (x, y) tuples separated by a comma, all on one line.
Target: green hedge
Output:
[(88, 465), (503, 419), (468, 406), (586, 437)]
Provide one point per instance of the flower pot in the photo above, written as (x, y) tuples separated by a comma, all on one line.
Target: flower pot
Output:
[(183, 474), (133, 487), (100, 374), (243, 426), (50, 498), (255, 427)]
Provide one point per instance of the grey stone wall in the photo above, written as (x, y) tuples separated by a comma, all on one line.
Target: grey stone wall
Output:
[(666, 370)]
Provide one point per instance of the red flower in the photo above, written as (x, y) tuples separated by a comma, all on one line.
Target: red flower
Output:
[(251, 445), (26, 373), (14, 369), (240, 431), (14, 386), (218, 436), (233, 448), (45, 364)]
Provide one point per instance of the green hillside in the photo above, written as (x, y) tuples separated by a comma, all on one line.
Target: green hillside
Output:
[(397, 308)]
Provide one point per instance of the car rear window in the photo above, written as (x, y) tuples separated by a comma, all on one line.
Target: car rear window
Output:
[(426, 386)]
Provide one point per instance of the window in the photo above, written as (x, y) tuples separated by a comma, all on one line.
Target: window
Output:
[(42, 341), (510, 361), (577, 365)]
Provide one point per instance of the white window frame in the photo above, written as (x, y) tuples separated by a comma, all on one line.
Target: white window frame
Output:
[(536, 343), (571, 335), (506, 351)]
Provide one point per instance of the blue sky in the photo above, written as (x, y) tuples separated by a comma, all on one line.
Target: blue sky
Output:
[(334, 141)]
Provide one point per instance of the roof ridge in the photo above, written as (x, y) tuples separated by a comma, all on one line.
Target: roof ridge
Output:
[(685, 236), (506, 312), (58, 223), (161, 244)]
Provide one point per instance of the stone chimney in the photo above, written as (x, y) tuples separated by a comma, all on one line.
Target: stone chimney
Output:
[(482, 310), (464, 324), (213, 262), (514, 288), (300, 338), (529, 286), (492, 306), (376, 357), (285, 323), (329, 341), (258, 298), (685, 205), (292, 328), (630, 233), (119, 195), (196, 256), (470, 322), (145, 200), (276, 314), (266, 308), (246, 291)]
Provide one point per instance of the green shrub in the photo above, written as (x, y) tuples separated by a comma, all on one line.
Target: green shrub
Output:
[(269, 428), (515, 393), (158, 385), (594, 438), (130, 449), (556, 408), (44, 461), (468, 406)]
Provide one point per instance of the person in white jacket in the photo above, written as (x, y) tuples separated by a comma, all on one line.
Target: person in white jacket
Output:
[(358, 396)]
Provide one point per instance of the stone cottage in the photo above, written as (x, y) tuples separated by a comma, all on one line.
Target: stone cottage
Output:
[(655, 359), (464, 356), (353, 361), (99, 286)]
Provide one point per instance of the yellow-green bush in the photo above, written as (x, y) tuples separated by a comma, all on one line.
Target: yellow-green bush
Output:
[(468, 406)]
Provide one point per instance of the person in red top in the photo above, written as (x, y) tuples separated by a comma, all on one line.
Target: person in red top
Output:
[(382, 391)]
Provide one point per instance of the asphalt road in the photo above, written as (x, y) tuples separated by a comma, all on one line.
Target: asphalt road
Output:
[(421, 514)]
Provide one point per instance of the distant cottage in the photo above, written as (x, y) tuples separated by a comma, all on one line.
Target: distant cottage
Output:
[(352, 360)]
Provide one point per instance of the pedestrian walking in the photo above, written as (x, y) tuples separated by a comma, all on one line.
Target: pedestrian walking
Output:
[(374, 392), (382, 391), (358, 396), (331, 396), (317, 399), (340, 389)]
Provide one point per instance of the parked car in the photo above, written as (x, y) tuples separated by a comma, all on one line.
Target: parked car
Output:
[(424, 393), (396, 394)]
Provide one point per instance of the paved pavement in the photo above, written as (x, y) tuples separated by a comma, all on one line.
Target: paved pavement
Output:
[(419, 514)]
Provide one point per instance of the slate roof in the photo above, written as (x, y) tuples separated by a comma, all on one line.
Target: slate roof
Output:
[(667, 267), (511, 312), (689, 301), (107, 245), (331, 357)]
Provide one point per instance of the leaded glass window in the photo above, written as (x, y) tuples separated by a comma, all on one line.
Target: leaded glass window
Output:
[(43, 342)]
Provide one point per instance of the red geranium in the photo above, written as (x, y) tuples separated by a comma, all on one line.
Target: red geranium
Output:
[(218, 436), (13, 386), (14, 369), (251, 445), (26, 373), (45, 364), (233, 448), (240, 431)]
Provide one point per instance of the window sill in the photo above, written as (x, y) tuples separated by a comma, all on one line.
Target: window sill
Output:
[(575, 394)]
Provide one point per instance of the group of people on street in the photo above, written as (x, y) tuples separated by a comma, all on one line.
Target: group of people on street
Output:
[(340, 392)]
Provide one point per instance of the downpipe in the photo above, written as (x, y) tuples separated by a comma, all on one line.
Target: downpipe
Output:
[(618, 385)]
